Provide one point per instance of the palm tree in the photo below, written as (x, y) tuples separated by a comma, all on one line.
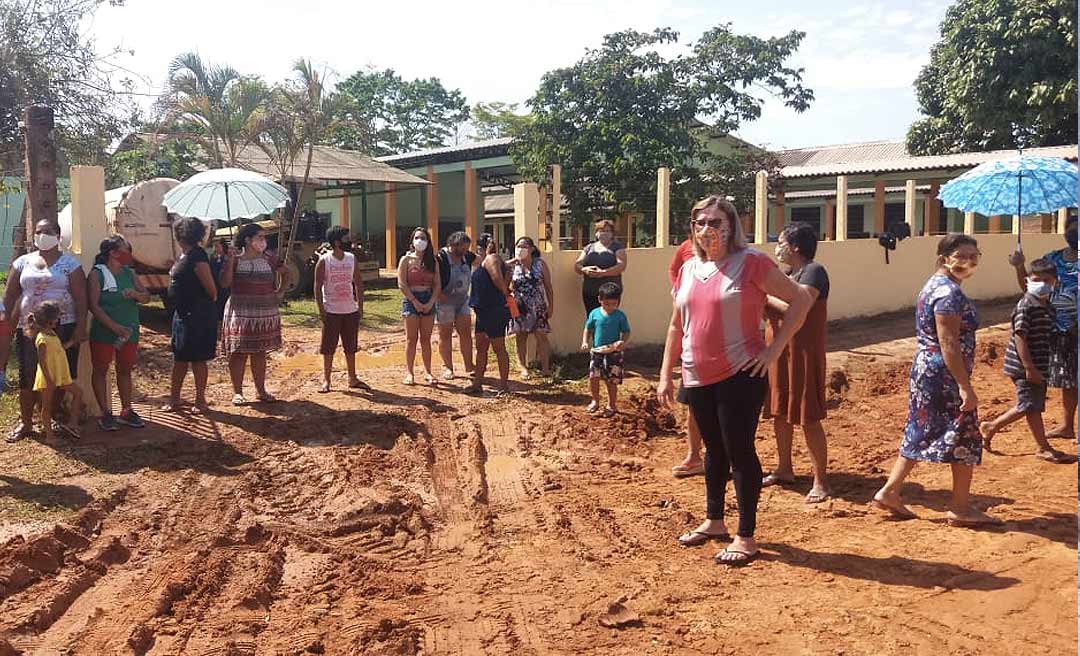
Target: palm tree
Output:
[(223, 108)]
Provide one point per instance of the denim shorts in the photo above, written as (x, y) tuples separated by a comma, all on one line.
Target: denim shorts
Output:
[(447, 312), (409, 310)]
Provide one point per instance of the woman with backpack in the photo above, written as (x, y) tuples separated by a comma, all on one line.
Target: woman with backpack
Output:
[(452, 312)]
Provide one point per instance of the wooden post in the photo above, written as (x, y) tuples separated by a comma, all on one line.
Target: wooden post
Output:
[(830, 227), (472, 227), (931, 210), (841, 208), (343, 210), (1062, 219), (433, 206), (879, 206), (663, 207), (390, 207), (778, 212), (556, 206), (761, 207), (40, 167), (969, 223), (909, 205)]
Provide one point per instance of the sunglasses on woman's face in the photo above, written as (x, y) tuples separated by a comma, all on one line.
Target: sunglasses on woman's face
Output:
[(714, 223)]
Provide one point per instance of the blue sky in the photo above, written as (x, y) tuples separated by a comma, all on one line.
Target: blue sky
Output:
[(860, 58)]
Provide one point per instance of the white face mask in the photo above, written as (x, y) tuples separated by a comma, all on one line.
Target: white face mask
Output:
[(46, 242), (419, 245), (523, 252), (1038, 288)]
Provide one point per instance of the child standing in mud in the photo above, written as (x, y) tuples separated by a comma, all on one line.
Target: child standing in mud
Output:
[(1027, 361), (53, 373), (607, 331)]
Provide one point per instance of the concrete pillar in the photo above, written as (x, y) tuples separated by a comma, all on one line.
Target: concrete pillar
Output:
[(390, 215), (556, 206), (433, 204), (343, 211), (841, 208), (761, 207), (994, 225), (472, 227), (778, 212), (909, 204), (526, 211), (88, 228), (969, 223), (879, 206), (830, 225), (1062, 218), (663, 206), (1016, 221)]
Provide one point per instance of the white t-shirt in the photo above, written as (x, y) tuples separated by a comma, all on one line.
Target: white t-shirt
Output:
[(42, 283), (338, 293)]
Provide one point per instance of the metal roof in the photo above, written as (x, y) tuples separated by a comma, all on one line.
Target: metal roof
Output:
[(842, 153), (447, 154), (927, 163), (329, 165)]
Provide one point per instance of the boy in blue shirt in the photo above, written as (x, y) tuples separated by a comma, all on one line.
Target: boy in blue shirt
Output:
[(607, 331)]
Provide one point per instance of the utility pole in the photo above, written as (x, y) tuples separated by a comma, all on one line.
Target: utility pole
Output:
[(40, 156)]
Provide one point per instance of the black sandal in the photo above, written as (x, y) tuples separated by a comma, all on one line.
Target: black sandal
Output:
[(746, 559), (698, 538)]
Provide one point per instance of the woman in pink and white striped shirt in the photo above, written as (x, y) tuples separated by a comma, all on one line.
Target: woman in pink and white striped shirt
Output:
[(716, 333)]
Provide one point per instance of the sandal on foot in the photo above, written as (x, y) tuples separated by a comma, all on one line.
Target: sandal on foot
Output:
[(408, 380), (447, 374), (356, 383), (698, 538), (20, 432), (608, 412), (899, 512), (324, 388), (743, 558), (592, 407), (1056, 457), (266, 397), (238, 399), (817, 496), (682, 471), (773, 479)]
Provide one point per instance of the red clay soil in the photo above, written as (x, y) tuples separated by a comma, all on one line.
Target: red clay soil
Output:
[(413, 520)]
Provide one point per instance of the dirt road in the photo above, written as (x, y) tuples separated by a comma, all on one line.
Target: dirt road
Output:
[(414, 520)]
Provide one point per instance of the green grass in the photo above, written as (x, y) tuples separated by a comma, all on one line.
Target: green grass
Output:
[(382, 310)]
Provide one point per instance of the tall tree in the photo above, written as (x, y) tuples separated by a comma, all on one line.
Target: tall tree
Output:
[(169, 158), (47, 58), (624, 110), (394, 115), (1000, 66), (216, 105), (495, 120)]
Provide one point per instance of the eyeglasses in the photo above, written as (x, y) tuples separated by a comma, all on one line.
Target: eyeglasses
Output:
[(701, 223)]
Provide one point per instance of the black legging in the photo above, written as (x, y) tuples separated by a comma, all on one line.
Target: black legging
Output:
[(590, 301), (727, 416)]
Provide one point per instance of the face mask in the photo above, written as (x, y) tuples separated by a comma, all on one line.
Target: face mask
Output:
[(419, 245), (125, 258), (523, 252), (46, 242), (1038, 288), (1070, 239), (257, 245)]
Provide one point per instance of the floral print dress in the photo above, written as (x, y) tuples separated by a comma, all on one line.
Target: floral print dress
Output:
[(531, 299), (936, 430)]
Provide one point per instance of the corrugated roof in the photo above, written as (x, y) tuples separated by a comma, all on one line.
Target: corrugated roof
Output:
[(473, 150), (843, 153), (894, 165), (329, 165)]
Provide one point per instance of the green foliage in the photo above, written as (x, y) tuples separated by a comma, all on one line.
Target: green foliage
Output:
[(495, 120), (624, 110), (390, 115), (1001, 66), (48, 58), (171, 158)]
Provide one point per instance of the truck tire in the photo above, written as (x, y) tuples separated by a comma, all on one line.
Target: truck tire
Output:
[(301, 277)]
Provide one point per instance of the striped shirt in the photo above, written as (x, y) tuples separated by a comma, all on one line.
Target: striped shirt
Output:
[(1033, 321), (721, 308)]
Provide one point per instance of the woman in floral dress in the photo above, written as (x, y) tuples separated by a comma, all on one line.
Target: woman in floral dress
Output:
[(252, 322), (535, 299), (943, 425)]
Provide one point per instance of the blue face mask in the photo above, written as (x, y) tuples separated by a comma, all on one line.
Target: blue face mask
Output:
[(1038, 288)]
